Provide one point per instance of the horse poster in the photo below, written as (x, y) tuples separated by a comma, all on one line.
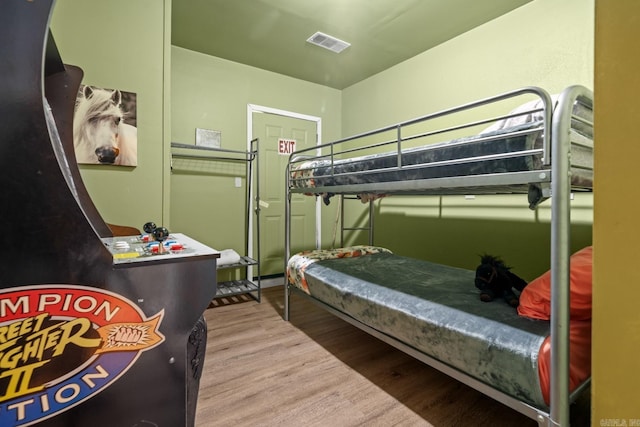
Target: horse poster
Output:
[(105, 127)]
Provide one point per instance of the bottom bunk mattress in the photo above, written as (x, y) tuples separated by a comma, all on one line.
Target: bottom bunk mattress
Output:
[(436, 310)]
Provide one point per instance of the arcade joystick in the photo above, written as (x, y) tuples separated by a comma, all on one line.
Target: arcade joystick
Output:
[(161, 234), (148, 229)]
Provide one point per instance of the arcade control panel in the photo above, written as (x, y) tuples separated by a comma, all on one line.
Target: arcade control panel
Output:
[(155, 244)]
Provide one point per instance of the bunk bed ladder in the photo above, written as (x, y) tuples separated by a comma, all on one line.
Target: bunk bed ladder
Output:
[(369, 223)]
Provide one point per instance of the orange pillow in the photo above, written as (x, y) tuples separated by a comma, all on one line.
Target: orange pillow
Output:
[(535, 299), (579, 362)]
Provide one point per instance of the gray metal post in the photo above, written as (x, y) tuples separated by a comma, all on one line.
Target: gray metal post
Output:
[(560, 255), (287, 240)]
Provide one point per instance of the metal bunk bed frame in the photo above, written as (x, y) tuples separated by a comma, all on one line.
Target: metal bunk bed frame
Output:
[(555, 179)]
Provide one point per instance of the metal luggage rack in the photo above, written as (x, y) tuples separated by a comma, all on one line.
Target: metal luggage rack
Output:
[(236, 286)]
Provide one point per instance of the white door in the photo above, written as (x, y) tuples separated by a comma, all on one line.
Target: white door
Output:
[(269, 128)]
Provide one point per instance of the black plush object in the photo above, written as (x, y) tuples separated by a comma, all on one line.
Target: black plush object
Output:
[(495, 279)]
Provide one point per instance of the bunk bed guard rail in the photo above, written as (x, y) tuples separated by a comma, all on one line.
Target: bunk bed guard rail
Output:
[(323, 160)]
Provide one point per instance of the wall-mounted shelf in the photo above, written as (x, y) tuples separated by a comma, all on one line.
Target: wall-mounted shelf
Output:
[(190, 151)]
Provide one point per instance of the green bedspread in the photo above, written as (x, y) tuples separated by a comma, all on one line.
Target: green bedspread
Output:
[(436, 309)]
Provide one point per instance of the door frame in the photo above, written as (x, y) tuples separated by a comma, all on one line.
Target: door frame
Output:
[(260, 109)]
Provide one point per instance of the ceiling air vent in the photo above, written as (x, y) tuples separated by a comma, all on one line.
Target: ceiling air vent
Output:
[(328, 42)]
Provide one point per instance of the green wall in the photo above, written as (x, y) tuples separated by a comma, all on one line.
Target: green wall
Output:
[(544, 43), (123, 44), (213, 93)]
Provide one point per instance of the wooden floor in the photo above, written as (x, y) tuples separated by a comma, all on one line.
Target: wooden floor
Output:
[(318, 370)]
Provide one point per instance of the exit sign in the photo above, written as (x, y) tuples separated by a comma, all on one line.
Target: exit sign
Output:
[(286, 146)]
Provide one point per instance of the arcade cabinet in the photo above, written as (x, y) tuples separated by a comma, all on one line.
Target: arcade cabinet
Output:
[(95, 330)]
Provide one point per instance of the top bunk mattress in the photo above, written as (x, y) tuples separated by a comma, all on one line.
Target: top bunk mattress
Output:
[(504, 158)]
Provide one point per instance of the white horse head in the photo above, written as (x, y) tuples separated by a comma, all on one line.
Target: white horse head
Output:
[(99, 133)]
